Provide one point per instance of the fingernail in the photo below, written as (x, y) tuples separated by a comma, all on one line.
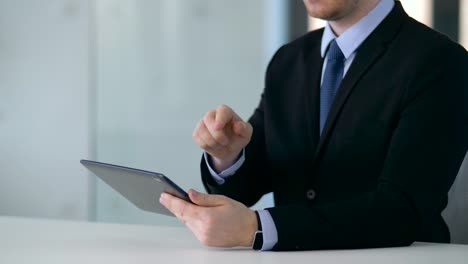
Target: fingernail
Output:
[(162, 198), (194, 193)]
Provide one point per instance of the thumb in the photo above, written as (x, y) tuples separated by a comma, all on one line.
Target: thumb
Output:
[(203, 199), (241, 128)]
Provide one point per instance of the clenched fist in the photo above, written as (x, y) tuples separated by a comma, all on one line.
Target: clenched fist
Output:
[(223, 135)]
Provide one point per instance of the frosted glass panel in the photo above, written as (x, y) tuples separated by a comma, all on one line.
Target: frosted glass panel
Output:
[(161, 65), (44, 108)]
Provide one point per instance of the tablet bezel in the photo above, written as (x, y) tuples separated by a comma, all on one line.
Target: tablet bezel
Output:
[(153, 205)]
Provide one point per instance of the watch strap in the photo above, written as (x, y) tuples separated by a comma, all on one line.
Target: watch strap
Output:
[(258, 237)]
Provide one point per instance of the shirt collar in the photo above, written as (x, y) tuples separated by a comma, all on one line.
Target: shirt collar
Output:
[(353, 37)]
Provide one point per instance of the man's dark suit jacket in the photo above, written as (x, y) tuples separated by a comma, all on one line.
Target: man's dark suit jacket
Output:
[(395, 137)]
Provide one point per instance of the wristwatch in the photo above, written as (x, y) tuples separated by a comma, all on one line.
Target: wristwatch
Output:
[(258, 237)]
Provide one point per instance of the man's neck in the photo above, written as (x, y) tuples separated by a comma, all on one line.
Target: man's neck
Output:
[(361, 10)]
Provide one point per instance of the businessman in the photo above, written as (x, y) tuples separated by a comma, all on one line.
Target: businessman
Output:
[(359, 133)]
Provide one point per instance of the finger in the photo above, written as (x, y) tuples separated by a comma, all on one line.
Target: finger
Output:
[(207, 200), (197, 129), (210, 140), (241, 128), (210, 125), (210, 118), (224, 115), (180, 208), (202, 143)]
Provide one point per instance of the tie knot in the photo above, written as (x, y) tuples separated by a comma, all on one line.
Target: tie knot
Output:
[(334, 52)]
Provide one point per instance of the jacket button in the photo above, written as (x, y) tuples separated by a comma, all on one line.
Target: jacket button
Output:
[(310, 194)]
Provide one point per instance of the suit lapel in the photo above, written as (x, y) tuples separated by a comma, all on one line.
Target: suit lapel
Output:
[(367, 55), (313, 64)]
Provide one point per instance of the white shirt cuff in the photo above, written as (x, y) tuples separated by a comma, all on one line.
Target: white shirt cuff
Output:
[(219, 178), (270, 234)]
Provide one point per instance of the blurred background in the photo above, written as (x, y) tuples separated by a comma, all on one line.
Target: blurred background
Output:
[(125, 82)]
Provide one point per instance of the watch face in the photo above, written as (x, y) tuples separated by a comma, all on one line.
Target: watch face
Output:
[(258, 240)]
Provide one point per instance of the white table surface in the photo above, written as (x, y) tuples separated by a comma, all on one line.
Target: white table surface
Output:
[(49, 241)]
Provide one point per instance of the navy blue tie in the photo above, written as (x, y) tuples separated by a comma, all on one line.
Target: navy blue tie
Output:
[(331, 81)]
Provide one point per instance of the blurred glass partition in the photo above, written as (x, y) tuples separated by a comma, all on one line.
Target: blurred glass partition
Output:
[(160, 66), (44, 108)]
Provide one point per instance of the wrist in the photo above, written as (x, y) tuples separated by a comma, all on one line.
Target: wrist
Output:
[(250, 229), (221, 164)]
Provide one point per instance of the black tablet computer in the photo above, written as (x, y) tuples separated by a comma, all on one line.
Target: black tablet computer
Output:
[(140, 187)]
